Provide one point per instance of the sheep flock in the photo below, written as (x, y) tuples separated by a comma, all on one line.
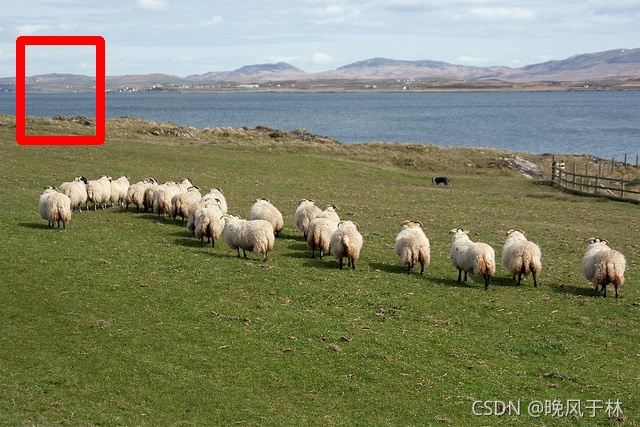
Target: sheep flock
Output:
[(322, 229)]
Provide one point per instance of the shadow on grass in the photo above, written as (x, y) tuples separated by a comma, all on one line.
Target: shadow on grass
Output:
[(37, 226), (393, 268), (579, 290)]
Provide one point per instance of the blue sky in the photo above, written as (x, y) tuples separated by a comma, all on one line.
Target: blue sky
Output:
[(184, 37)]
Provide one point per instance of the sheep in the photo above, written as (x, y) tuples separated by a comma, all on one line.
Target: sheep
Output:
[(135, 193), (255, 235), (521, 256), (162, 197), (149, 196), (263, 209), (76, 190), (347, 242), (54, 206), (99, 191), (180, 203), (214, 195), (412, 246), (305, 213), (119, 189), (319, 235), (472, 257), (209, 222), (330, 212), (602, 265)]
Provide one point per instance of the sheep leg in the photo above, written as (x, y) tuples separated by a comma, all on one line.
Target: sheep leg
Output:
[(519, 278), (238, 249), (213, 243), (535, 282), (244, 253), (459, 274), (202, 241), (604, 291), (465, 276), (486, 281), (616, 287), (265, 258), (353, 263), (321, 254), (409, 268), (421, 268), (313, 253), (340, 263)]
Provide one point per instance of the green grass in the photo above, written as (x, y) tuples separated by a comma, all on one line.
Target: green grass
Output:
[(123, 319)]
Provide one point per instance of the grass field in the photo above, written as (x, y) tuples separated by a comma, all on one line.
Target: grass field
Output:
[(124, 320)]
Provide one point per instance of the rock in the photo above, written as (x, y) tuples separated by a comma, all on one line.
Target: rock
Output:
[(525, 167)]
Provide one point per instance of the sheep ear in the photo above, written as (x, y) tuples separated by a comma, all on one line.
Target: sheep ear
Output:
[(312, 201), (357, 225), (419, 223), (592, 240), (605, 241), (405, 222)]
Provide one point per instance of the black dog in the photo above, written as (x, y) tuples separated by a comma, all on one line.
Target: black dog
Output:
[(440, 180)]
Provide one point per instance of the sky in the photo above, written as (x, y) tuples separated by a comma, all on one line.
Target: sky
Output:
[(185, 37)]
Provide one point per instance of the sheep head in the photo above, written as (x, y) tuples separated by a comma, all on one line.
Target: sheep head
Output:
[(593, 240)]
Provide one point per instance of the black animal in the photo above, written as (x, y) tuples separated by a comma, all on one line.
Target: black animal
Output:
[(441, 180)]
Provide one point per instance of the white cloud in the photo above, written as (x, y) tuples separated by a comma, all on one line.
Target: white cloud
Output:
[(321, 58), (502, 14), (29, 29), (152, 4), (213, 21)]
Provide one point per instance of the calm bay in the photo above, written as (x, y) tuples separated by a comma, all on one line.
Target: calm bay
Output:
[(600, 123)]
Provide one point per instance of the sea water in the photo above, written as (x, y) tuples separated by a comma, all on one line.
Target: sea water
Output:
[(601, 123)]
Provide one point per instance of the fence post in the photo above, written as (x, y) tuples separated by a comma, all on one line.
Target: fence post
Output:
[(622, 190), (625, 159), (612, 165)]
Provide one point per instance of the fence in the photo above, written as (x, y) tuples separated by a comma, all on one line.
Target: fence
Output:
[(617, 189)]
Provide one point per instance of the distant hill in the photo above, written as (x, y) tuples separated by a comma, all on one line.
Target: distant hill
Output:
[(618, 64), (258, 72), (615, 65)]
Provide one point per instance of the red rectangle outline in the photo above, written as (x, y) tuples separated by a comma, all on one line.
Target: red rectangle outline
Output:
[(21, 107)]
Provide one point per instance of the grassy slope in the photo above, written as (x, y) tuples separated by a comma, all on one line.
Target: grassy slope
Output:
[(124, 320)]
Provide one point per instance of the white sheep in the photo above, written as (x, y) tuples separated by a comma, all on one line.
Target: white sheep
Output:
[(330, 212), (256, 235), (162, 197), (180, 203), (472, 257), (54, 206), (412, 246), (602, 265), (209, 223), (76, 190), (263, 209), (119, 189), (347, 242), (99, 191), (214, 195), (135, 193), (149, 196), (521, 256), (319, 235), (305, 213)]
